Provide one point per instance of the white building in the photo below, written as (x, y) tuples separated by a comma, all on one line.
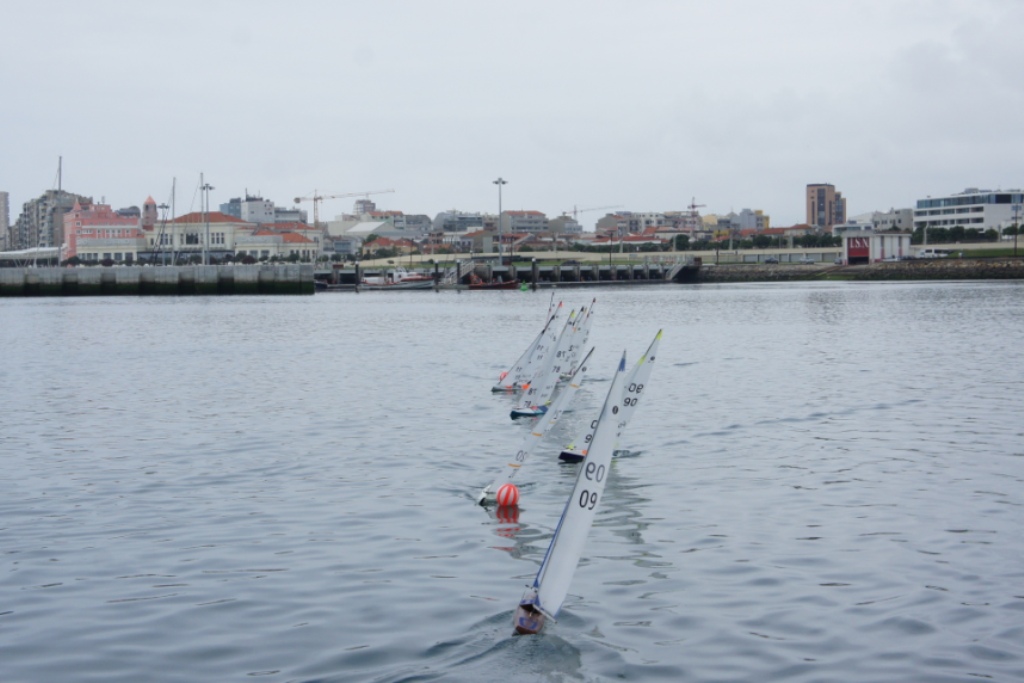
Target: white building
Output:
[(870, 247), (901, 220), (258, 210), (972, 208), (523, 221)]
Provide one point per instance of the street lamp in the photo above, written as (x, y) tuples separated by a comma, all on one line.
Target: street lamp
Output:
[(160, 247), (206, 187), (501, 252), (1016, 228)]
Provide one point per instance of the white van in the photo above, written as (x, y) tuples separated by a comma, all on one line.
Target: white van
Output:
[(932, 253)]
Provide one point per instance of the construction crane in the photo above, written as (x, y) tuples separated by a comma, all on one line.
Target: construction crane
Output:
[(317, 198), (576, 211)]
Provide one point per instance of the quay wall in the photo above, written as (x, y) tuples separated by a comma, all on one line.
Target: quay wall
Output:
[(157, 280), (918, 269)]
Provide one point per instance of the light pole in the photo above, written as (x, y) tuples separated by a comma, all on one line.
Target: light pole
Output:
[(206, 187), (1016, 228), (501, 251), (163, 209)]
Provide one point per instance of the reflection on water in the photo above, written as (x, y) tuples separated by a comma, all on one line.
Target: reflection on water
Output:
[(824, 483)]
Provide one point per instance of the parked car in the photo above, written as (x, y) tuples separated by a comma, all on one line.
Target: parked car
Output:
[(807, 261), (771, 259)]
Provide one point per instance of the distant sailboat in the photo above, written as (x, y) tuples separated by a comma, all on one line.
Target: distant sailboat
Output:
[(545, 597), (514, 467), (513, 379), (540, 390)]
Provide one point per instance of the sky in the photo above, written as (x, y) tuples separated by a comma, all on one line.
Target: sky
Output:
[(640, 105)]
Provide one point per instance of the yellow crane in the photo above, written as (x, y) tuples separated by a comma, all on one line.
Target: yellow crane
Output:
[(317, 198)]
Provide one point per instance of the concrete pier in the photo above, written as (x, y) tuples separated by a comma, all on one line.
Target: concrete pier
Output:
[(157, 280)]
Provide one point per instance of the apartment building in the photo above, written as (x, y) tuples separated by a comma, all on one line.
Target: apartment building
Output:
[(825, 206), (5, 220), (41, 223)]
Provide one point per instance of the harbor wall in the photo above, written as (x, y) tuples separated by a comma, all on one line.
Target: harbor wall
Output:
[(917, 269), (157, 280)]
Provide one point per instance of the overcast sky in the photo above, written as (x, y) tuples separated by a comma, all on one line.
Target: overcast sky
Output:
[(640, 105)]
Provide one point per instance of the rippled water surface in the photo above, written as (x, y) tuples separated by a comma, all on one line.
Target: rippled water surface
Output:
[(824, 483)]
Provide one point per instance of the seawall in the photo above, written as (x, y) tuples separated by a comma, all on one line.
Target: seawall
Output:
[(157, 280), (919, 269)]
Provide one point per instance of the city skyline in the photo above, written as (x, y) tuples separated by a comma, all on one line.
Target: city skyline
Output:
[(644, 106)]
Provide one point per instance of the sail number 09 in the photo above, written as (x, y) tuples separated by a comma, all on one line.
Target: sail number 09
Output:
[(588, 499)]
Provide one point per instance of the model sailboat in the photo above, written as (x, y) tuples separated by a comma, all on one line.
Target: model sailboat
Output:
[(514, 467), (524, 367), (545, 597), (632, 392), (540, 391)]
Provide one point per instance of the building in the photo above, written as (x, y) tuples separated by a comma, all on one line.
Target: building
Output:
[(870, 247), (972, 208), (41, 223), (825, 206), (256, 209), (457, 221), (5, 220), (95, 232), (893, 220), (523, 221), (630, 222)]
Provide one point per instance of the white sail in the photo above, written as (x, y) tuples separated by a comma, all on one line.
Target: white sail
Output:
[(555, 575), (632, 391), (539, 391), (514, 467), (581, 333), (513, 378)]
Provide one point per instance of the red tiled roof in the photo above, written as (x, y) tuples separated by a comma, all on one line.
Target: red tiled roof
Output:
[(214, 217), (289, 226), (296, 238)]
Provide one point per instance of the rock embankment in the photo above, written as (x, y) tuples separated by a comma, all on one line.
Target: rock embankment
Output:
[(920, 269)]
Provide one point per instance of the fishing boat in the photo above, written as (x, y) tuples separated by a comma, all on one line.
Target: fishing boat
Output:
[(514, 467), (477, 282), (398, 278), (632, 391), (370, 286), (544, 598)]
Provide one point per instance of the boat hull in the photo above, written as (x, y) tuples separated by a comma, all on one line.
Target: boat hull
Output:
[(509, 284), (529, 412), (424, 284), (571, 456), (528, 620)]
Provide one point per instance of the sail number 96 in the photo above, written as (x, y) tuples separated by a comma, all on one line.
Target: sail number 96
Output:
[(632, 389)]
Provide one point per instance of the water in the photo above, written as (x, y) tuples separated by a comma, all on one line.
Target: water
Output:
[(823, 484)]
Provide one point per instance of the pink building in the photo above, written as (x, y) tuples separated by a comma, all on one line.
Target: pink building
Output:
[(96, 232)]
